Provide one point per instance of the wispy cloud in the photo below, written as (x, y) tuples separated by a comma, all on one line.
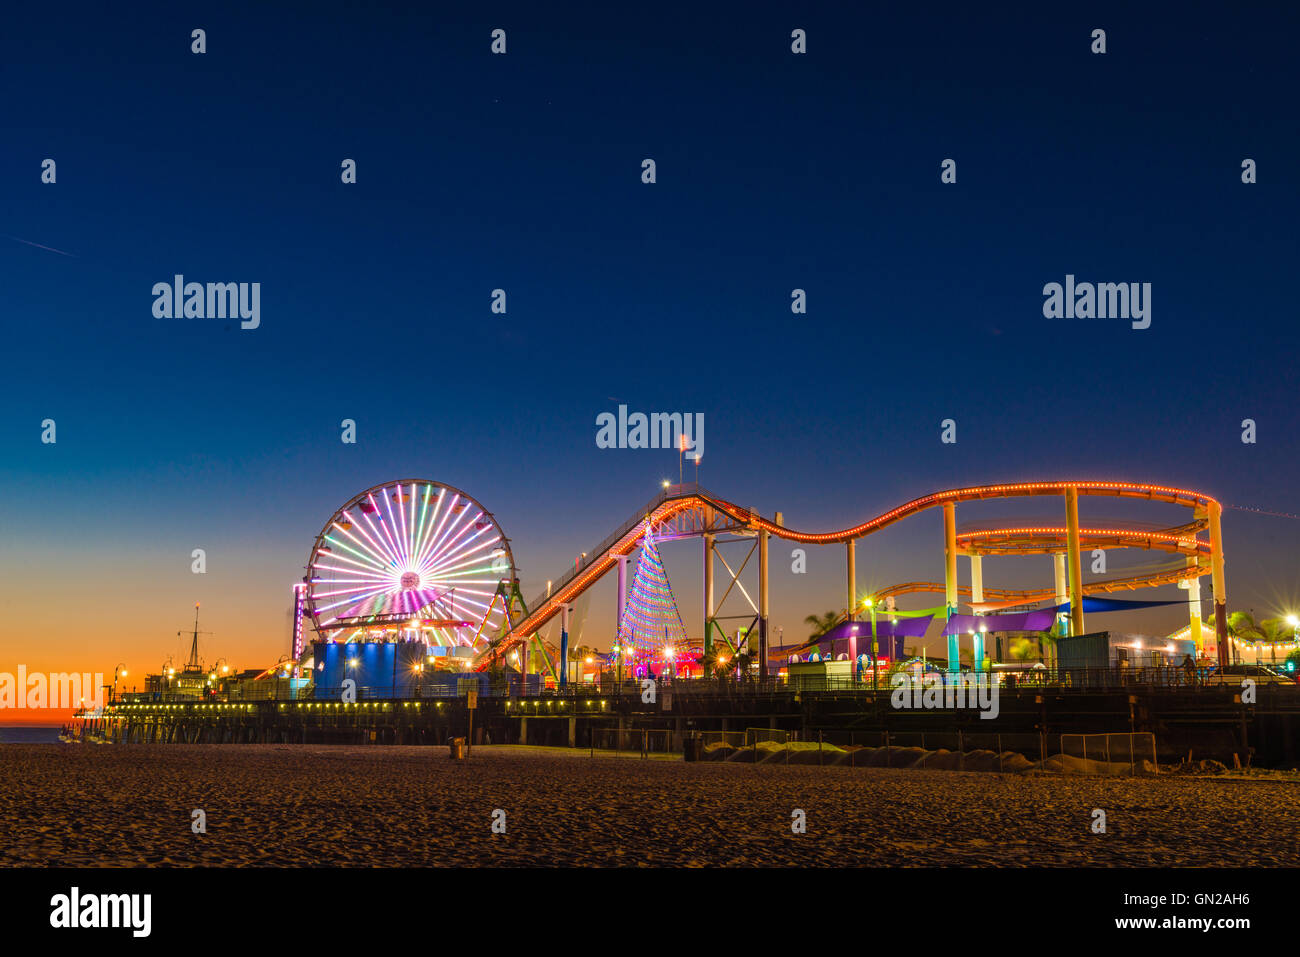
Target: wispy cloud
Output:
[(28, 242)]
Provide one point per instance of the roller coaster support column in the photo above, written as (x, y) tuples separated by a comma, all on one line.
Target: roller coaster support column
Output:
[(708, 593), (622, 593), (762, 603), (1076, 568), (977, 595), (853, 606), (1217, 582), (564, 645), (1194, 606), (1062, 589), (950, 581)]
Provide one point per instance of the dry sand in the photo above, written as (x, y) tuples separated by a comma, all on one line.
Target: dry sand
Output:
[(389, 806)]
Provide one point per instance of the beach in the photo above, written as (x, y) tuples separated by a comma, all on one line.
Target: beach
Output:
[(297, 805)]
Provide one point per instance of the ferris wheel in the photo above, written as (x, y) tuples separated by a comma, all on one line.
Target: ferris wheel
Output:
[(412, 559)]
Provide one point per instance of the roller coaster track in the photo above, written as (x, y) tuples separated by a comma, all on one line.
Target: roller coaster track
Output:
[(999, 595), (676, 500)]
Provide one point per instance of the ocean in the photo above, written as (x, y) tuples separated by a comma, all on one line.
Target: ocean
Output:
[(11, 735)]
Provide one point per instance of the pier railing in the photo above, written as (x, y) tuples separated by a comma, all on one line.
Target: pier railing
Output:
[(1057, 681)]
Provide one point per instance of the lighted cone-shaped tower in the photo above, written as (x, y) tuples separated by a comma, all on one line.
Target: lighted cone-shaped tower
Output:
[(651, 624)]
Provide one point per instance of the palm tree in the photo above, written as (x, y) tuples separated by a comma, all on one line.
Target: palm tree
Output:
[(1241, 623), (1047, 647), (1271, 631), (742, 663), (820, 624), (710, 664)]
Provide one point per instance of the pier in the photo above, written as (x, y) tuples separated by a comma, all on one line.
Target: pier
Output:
[(1209, 720)]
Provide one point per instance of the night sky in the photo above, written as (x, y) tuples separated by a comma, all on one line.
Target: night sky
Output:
[(476, 171)]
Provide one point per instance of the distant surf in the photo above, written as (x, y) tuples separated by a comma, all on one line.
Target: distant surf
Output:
[(28, 735)]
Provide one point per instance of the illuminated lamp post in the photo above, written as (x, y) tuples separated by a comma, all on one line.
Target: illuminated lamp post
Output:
[(119, 670), (875, 647), (950, 584), (219, 672)]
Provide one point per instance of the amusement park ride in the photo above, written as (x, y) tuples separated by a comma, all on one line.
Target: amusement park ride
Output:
[(419, 561)]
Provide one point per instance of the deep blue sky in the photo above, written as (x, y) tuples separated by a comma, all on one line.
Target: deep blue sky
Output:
[(522, 171)]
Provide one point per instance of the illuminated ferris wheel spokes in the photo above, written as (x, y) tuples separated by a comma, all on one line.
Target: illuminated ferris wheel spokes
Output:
[(414, 550)]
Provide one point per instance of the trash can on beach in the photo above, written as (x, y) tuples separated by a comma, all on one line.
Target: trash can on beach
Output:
[(694, 750), (458, 749)]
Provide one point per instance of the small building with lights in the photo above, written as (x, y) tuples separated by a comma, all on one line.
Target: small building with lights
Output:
[(1103, 650), (394, 669)]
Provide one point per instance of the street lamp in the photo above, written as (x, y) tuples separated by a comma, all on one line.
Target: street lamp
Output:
[(225, 668), (875, 648), (119, 670)]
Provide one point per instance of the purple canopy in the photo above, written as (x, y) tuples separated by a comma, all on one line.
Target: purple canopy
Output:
[(903, 628), (1027, 621), (1041, 620), (890, 642)]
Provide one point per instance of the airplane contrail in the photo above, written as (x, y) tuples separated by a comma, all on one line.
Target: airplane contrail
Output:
[(39, 246)]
